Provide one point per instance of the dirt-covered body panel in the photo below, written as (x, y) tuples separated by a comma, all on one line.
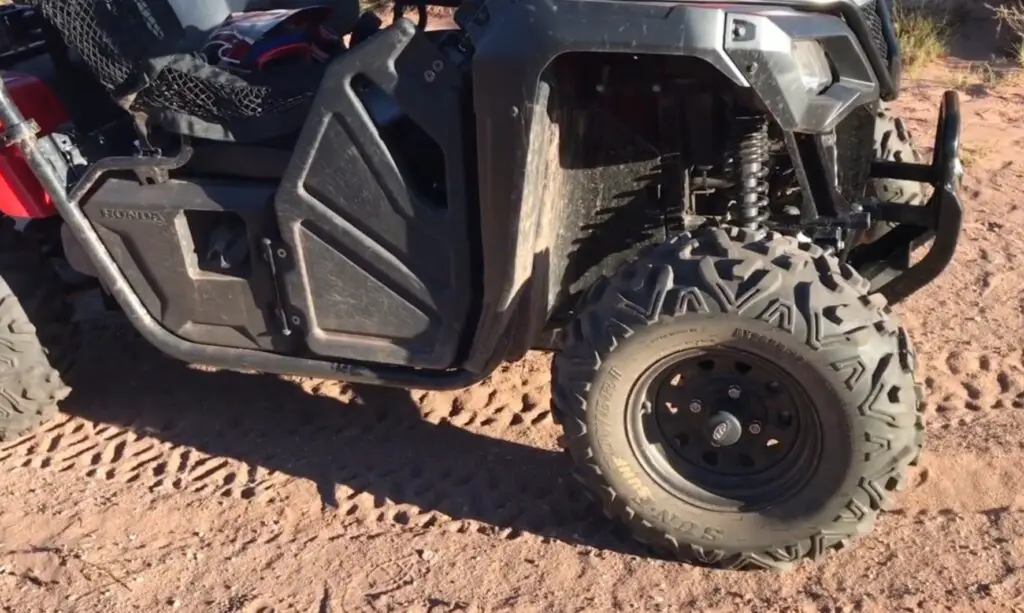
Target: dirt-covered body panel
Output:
[(531, 200)]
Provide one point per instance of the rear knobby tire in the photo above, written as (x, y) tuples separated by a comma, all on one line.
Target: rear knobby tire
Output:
[(761, 293), (38, 336)]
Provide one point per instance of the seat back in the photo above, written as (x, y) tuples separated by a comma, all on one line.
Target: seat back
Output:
[(205, 15)]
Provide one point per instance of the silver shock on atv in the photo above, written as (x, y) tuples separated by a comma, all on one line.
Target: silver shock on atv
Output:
[(749, 167)]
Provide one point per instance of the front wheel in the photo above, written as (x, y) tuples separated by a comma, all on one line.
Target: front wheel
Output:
[(734, 397)]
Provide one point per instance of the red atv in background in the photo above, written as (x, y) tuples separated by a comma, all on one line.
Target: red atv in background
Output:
[(703, 210)]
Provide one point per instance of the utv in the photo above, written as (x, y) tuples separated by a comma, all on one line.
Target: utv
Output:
[(702, 209)]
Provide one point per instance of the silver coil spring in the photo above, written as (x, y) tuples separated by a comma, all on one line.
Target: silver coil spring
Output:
[(750, 167)]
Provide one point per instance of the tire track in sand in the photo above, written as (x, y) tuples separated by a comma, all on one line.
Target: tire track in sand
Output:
[(483, 459)]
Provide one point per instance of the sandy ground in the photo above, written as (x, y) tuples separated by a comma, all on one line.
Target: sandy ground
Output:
[(166, 487)]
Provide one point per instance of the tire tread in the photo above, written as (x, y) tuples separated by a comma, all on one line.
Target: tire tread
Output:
[(38, 336)]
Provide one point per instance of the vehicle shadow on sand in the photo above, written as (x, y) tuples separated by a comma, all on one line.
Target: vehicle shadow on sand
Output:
[(377, 442)]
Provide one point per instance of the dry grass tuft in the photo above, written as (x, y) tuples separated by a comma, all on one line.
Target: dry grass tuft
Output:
[(923, 34)]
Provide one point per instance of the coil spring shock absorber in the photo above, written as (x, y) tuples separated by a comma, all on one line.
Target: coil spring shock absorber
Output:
[(750, 169)]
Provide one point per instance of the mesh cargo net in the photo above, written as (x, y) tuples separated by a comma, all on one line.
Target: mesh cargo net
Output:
[(126, 42), (221, 96)]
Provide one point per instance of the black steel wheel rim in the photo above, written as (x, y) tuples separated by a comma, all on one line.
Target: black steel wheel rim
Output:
[(724, 428)]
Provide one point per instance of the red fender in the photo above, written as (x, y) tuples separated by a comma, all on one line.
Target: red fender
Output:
[(21, 194)]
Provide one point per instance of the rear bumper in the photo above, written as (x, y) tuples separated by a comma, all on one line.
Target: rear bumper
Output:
[(888, 260)]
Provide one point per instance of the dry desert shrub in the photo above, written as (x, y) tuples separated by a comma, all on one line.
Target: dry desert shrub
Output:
[(1011, 26)]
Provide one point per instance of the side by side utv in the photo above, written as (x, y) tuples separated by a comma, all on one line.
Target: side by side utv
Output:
[(703, 210)]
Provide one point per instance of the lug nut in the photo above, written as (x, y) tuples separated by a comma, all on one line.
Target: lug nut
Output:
[(754, 428), (734, 392), (696, 406)]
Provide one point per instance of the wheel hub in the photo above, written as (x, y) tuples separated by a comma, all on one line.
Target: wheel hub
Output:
[(724, 429), (723, 413)]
